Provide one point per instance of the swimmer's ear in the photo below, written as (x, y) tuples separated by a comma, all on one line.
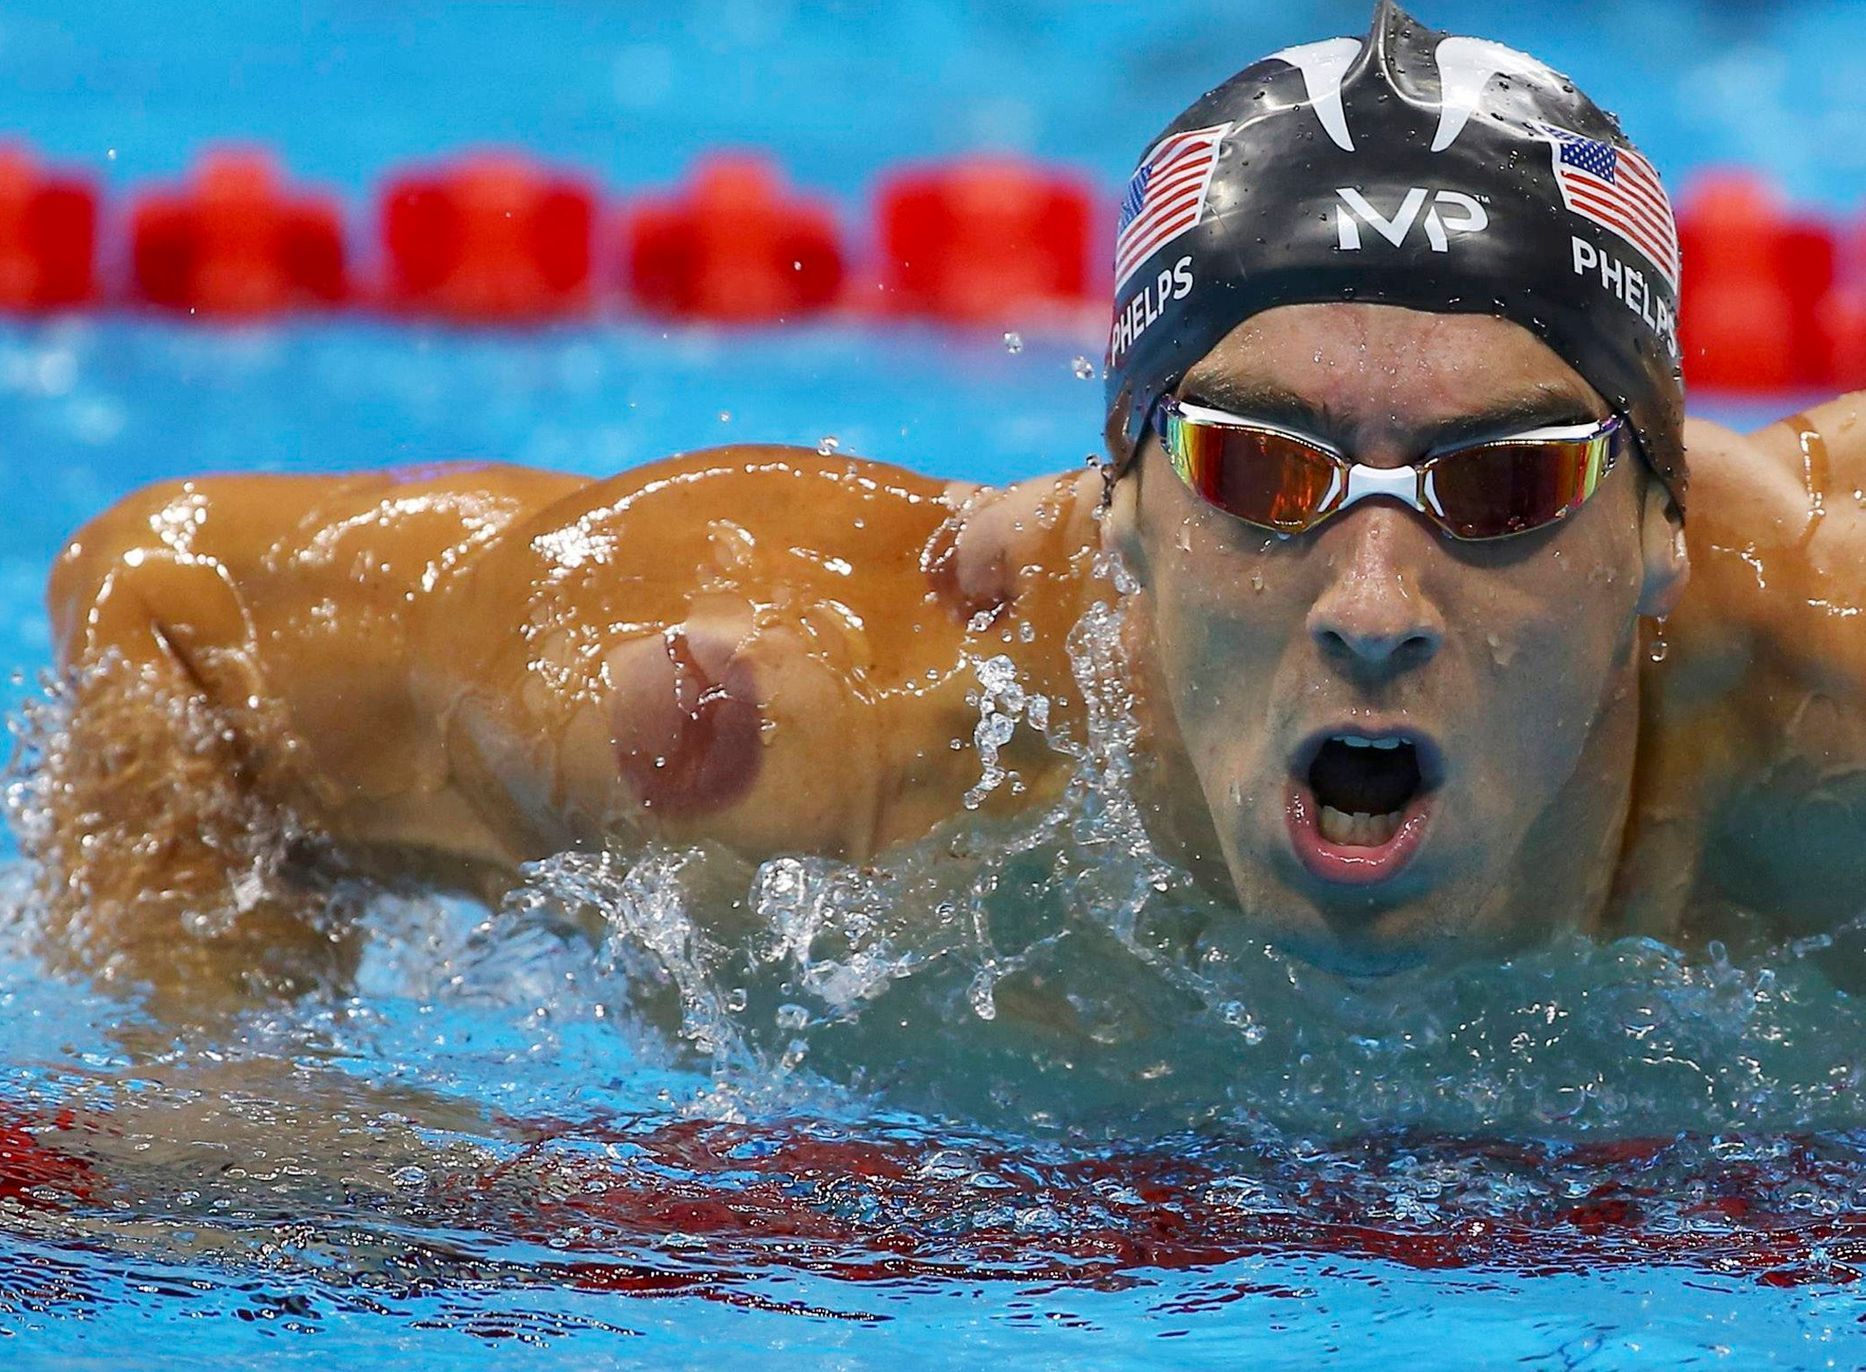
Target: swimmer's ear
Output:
[(1120, 521), (1667, 567)]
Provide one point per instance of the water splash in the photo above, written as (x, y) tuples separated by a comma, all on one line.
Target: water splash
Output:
[(1054, 971)]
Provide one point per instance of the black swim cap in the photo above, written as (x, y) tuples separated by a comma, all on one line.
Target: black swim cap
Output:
[(1411, 168)]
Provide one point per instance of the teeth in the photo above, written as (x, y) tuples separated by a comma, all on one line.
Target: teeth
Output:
[(1357, 741), (1360, 829)]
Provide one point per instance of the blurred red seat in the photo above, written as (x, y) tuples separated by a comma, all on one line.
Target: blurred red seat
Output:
[(234, 240), (737, 246), (491, 237)]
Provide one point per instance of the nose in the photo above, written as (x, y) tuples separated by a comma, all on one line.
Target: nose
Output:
[(1374, 615)]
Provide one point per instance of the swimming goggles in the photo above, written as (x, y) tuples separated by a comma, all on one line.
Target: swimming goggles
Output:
[(1282, 481)]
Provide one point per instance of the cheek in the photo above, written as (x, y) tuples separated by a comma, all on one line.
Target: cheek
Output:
[(1227, 627), (1545, 648)]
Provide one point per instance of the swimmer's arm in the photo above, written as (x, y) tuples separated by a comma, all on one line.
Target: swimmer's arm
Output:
[(198, 626), (155, 866)]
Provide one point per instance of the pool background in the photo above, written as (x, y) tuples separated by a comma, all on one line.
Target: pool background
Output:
[(92, 407)]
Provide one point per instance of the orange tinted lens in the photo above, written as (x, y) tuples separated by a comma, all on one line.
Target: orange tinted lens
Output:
[(1511, 488), (1258, 475)]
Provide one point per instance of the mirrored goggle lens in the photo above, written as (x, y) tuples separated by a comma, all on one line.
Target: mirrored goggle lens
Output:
[(1260, 475), (1510, 488)]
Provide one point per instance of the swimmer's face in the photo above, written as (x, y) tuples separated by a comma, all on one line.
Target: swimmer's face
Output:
[(1475, 701)]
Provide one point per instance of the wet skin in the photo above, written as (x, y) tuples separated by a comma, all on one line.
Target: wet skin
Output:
[(445, 674)]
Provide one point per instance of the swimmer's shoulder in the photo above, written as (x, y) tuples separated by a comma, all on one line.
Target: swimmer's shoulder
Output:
[(697, 506), (1782, 507), (1006, 536)]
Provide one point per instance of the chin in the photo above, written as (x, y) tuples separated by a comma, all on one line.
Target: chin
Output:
[(1361, 958), (1368, 939)]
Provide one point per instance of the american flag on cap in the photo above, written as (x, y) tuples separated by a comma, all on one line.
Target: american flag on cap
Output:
[(1165, 197), (1617, 189)]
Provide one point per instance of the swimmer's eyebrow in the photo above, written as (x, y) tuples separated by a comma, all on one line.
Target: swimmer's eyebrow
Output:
[(1261, 400), (1541, 410), (1249, 399)]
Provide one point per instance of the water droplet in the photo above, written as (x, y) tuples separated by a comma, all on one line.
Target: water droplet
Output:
[(1659, 650), (1013, 341), (828, 444), (725, 416), (1083, 368), (981, 994), (791, 1016)]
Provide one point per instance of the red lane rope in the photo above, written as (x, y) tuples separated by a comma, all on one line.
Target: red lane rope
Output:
[(1774, 298)]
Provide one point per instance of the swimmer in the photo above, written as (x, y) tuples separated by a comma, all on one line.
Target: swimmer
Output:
[(1435, 651)]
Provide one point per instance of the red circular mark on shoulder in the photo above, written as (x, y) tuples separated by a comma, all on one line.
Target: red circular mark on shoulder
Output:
[(689, 738), (965, 585)]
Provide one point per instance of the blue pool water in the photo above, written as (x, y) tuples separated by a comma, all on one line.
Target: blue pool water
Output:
[(533, 1142)]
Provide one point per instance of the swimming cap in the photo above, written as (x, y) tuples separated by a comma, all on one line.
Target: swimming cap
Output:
[(1409, 168)]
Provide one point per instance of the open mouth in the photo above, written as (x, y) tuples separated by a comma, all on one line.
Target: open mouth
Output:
[(1362, 786), (1358, 811)]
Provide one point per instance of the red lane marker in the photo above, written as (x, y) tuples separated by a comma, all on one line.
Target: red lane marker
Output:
[(48, 235), (236, 241), (991, 241), (490, 238), (1755, 279), (736, 246)]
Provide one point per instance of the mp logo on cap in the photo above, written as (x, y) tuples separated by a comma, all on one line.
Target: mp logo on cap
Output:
[(1462, 214)]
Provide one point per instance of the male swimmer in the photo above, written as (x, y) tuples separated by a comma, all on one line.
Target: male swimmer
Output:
[(1399, 476)]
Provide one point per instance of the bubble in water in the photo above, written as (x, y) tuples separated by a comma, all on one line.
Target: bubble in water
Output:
[(1083, 368), (1013, 341), (828, 444)]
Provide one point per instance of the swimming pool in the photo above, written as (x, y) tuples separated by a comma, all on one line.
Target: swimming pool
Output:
[(1064, 1121)]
